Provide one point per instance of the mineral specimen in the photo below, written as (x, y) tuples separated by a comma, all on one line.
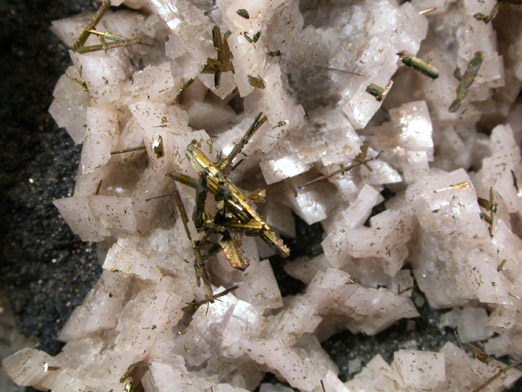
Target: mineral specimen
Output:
[(402, 197)]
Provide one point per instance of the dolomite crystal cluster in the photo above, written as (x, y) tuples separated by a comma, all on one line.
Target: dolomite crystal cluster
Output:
[(431, 233)]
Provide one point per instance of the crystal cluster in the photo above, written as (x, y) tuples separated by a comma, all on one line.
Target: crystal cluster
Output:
[(452, 226)]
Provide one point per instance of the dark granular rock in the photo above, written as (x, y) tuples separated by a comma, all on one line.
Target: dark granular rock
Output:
[(45, 270)]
